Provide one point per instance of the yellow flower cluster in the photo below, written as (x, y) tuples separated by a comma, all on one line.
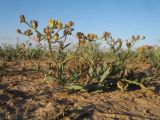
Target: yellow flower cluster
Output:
[(69, 24), (28, 32), (82, 43), (49, 31), (52, 31), (82, 39), (18, 31), (52, 23), (106, 35), (59, 25), (91, 36), (22, 18), (56, 36), (34, 24)]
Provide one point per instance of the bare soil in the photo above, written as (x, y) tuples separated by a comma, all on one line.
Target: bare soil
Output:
[(25, 95)]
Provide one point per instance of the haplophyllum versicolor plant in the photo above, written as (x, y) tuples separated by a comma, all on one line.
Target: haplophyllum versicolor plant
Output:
[(55, 34)]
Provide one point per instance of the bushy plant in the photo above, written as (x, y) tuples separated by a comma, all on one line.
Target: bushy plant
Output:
[(55, 35), (151, 55), (8, 52), (89, 61)]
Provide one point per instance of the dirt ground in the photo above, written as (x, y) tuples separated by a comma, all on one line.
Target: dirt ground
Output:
[(25, 95)]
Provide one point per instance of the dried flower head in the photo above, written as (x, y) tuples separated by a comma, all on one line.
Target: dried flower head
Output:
[(70, 24), (56, 36), (59, 25), (82, 43), (65, 32), (22, 18), (18, 31), (91, 36), (79, 35), (128, 44), (106, 35), (52, 23), (47, 30), (34, 24), (28, 32)]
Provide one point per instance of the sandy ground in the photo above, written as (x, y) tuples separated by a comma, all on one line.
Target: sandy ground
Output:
[(24, 95)]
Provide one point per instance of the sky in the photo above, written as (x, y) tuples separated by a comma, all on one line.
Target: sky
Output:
[(123, 18)]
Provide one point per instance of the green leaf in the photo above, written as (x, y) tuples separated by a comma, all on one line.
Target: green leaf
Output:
[(98, 70), (75, 87), (98, 91), (74, 77), (105, 75), (91, 71), (47, 78)]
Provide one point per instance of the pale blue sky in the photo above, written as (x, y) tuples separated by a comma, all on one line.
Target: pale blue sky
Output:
[(120, 17)]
